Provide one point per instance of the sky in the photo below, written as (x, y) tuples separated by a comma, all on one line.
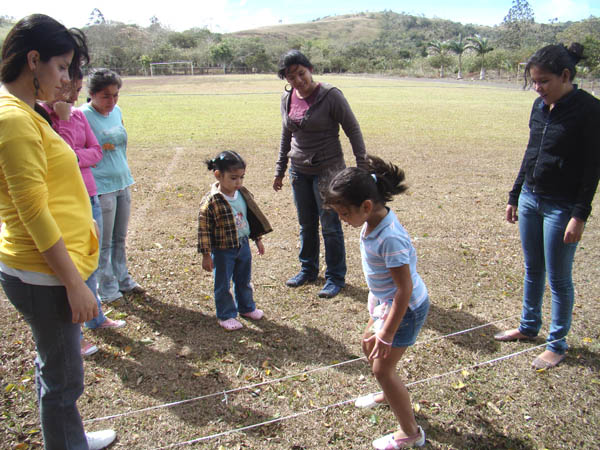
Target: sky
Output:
[(225, 16)]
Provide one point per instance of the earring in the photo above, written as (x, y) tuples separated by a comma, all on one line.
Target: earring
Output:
[(288, 88), (36, 85)]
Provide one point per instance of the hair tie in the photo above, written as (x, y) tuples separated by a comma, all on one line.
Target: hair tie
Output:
[(374, 177)]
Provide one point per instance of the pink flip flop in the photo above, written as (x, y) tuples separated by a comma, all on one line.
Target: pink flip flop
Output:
[(230, 324)]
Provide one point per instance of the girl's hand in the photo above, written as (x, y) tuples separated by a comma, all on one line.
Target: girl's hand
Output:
[(62, 110), (574, 230), (277, 183), (261, 247), (381, 347), (83, 303), (207, 263), (511, 214)]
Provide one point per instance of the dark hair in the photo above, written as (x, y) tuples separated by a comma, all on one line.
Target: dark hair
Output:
[(46, 36), (100, 79), (292, 58), (555, 59), (353, 185), (226, 161)]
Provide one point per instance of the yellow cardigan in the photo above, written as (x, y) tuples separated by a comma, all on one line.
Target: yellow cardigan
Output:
[(42, 194)]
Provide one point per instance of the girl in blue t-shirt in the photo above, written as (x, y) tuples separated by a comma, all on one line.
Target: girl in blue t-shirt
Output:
[(398, 299)]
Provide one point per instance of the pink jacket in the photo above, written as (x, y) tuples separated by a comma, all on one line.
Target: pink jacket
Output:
[(77, 133)]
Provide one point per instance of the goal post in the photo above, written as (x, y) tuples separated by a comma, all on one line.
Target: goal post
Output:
[(172, 68)]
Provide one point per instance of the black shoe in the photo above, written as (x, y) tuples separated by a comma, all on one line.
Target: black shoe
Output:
[(300, 279)]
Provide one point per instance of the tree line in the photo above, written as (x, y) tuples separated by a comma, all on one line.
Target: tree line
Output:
[(401, 44)]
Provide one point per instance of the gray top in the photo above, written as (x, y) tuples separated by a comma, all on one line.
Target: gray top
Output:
[(313, 145)]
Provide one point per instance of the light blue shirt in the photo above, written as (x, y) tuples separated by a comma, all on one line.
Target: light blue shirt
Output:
[(387, 246), (240, 214), (112, 172)]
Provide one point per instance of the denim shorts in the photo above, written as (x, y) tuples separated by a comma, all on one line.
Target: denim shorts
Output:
[(411, 325)]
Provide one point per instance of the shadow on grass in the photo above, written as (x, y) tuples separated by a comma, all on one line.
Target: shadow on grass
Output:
[(447, 321), (197, 350), (488, 438), (582, 356)]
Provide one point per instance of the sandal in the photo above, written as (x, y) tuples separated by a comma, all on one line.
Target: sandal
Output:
[(541, 364), (230, 324), (388, 442), (512, 335)]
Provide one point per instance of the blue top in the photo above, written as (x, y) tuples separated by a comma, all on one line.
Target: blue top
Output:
[(240, 214), (112, 172), (387, 246)]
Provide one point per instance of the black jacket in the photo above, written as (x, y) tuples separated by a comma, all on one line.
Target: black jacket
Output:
[(562, 160)]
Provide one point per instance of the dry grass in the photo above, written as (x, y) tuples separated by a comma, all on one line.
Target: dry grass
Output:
[(461, 145)]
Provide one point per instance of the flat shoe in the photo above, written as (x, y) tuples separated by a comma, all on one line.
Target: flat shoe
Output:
[(230, 324), (367, 401), (100, 439), (88, 349), (330, 290), (257, 314), (541, 364), (509, 336), (300, 279), (109, 323), (388, 442)]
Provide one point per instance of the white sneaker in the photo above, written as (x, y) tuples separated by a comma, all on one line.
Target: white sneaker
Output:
[(100, 439), (368, 401)]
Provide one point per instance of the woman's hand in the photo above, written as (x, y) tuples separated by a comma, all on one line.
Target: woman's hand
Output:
[(260, 247), (574, 230), (83, 303), (511, 214), (108, 146), (277, 183), (62, 110), (207, 263)]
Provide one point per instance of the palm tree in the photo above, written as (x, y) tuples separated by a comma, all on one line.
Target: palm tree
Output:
[(481, 46), (440, 48), (459, 48)]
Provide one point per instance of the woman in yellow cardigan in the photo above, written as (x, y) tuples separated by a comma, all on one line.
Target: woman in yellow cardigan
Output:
[(48, 241)]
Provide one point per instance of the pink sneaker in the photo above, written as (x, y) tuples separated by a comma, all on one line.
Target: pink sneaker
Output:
[(257, 314), (87, 348), (230, 324), (109, 323)]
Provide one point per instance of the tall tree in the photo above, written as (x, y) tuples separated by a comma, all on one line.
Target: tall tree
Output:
[(518, 24), (481, 46), (458, 46), (440, 51), (96, 17)]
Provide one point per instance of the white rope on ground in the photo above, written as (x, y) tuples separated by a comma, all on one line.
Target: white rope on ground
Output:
[(344, 402), (278, 380)]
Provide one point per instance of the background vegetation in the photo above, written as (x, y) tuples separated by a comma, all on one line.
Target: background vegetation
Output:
[(461, 145), (383, 42)]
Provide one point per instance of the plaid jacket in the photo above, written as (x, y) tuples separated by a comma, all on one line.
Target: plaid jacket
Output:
[(216, 225)]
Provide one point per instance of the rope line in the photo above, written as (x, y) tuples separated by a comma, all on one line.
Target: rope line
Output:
[(278, 380), (344, 402)]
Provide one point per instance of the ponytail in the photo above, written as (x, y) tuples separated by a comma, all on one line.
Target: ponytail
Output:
[(555, 59), (379, 183), (226, 161)]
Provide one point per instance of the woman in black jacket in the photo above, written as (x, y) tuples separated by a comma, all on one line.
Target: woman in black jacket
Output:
[(553, 193)]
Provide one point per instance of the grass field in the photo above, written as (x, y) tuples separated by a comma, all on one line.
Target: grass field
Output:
[(461, 145)]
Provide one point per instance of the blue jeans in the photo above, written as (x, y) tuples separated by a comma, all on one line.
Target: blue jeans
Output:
[(542, 224), (112, 266), (92, 281), (309, 205), (233, 264), (58, 365)]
